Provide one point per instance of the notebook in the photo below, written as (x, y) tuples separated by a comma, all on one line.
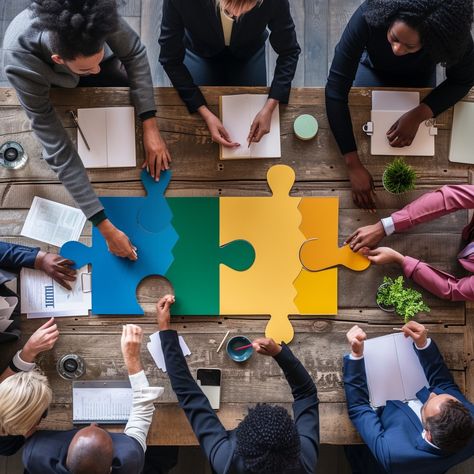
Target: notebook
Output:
[(110, 133), (462, 136), (393, 369), (237, 114), (106, 402), (387, 108)]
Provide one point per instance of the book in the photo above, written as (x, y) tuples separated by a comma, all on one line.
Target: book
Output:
[(393, 369), (110, 134), (237, 114), (462, 138), (387, 108), (52, 222)]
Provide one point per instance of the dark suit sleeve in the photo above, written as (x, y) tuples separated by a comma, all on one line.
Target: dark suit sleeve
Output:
[(438, 374), (284, 42), (305, 406), (14, 257), (459, 80), (172, 57), (207, 427), (341, 76), (362, 415)]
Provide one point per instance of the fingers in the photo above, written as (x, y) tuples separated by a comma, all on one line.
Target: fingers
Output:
[(253, 128), (223, 138), (260, 133), (351, 237), (132, 255), (47, 324)]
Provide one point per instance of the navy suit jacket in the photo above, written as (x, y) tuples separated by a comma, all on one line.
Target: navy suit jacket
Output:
[(196, 25), (218, 444), (394, 437), (13, 257), (46, 451)]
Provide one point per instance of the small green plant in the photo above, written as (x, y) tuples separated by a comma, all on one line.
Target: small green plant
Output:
[(406, 301), (399, 177)]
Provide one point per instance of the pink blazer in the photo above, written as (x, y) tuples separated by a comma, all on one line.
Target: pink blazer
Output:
[(426, 208)]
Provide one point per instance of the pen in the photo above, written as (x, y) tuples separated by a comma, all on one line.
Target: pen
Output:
[(397, 329), (74, 117)]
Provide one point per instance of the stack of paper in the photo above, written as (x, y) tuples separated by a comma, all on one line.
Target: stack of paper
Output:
[(7, 306), (154, 347)]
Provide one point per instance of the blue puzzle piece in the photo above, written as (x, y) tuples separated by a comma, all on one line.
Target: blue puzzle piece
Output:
[(115, 279)]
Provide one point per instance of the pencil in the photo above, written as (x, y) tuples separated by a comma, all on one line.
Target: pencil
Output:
[(74, 117), (241, 348), (223, 340), (397, 329)]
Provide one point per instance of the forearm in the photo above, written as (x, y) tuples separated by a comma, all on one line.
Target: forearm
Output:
[(447, 94), (14, 257)]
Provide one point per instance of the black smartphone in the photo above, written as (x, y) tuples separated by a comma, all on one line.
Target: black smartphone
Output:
[(210, 382)]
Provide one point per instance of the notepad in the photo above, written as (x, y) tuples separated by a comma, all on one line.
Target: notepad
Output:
[(461, 149), (237, 114), (387, 108), (106, 402), (110, 133), (393, 369)]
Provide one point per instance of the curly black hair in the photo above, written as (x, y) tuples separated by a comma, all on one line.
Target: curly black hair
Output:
[(77, 27), (267, 440), (444, 26)]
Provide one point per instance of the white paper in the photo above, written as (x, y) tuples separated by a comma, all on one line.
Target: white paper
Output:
[(393, 369), (110, 133), (395, 100), (52, 222), (95, 404), (42, 297), (154, 347), (461, 149), (238, 113), (7, 306)]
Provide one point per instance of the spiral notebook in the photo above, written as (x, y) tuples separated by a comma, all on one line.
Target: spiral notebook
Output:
[(105, 402)]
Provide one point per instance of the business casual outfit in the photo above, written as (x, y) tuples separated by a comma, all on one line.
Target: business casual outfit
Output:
[(220, 445), (426, 208), (200, 45), (364, 57), (46, 451), (396, 435), (31, 71)]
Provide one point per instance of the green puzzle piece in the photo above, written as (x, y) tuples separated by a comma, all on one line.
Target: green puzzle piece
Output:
[(194, 273)]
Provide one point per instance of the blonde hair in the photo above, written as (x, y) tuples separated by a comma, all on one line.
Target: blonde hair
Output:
[(237, 3), (24, 398)]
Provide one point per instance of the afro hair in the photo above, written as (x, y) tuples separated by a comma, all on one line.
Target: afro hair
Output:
[(444, 26), (77, 27), (267, 440)]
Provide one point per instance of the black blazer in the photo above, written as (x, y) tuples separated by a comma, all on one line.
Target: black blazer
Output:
[(196, 25)]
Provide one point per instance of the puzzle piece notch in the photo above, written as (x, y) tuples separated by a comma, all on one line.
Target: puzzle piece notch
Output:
[(238, 255), (317, 255)]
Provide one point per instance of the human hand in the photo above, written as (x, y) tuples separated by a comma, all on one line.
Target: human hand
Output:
[(163, 315), (262, 122), (157, 156), (130, 344), (266, 346), (117, 242), (403, 131), (57, 267), (417, 332), (356, 337), (383, 255), (367, 236), (43, 339), (362, 183), (218, 133)]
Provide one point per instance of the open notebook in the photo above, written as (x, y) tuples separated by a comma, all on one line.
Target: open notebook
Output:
[(237, 114), (461, 149), (393, 369), (387, 108), (110, 133)]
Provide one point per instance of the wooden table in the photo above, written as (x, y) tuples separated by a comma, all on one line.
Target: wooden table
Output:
[(319, 341)]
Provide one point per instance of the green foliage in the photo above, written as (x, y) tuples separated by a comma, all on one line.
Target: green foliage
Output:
[(399, 177), (406, 301)]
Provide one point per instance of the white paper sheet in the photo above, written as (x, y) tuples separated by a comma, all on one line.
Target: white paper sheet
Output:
[(395, 100), (7, 306), (110, 133), (238, 113), (461, 148), (52, 222), (393, 369), (42, 297), (154, 347)]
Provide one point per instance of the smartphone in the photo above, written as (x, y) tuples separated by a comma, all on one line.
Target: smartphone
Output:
[(210, 382)]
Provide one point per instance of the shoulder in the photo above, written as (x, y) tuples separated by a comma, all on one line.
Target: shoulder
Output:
[(128, 454), (21, 33)]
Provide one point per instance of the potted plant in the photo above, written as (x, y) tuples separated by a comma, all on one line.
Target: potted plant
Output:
[(399, 177), (406, 302)]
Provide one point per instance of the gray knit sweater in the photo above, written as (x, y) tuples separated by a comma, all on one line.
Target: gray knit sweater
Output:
[(31, 71)]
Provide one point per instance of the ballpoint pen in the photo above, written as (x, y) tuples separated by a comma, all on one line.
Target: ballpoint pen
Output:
[(74, 117)]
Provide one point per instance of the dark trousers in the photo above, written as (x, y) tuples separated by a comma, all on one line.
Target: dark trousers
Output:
[(367, 76), (160, 459), (227, 70), (112, 74), (361, 460)]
